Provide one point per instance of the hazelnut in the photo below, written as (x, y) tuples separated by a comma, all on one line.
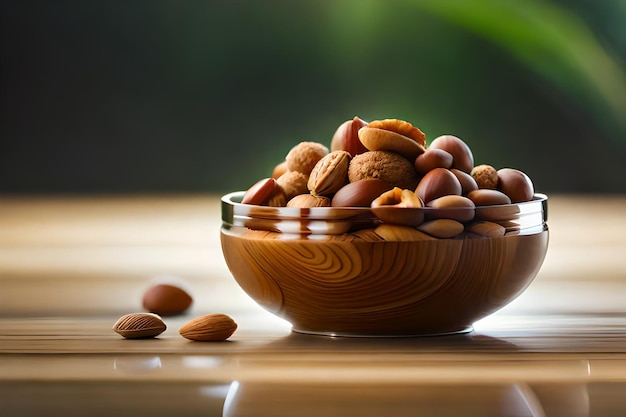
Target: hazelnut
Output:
[(293, 183), (485, 176), (304, 156)]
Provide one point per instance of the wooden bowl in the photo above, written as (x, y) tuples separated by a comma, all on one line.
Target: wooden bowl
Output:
[(327, 271)]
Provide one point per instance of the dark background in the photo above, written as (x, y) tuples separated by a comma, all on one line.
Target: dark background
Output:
[(196, 96)]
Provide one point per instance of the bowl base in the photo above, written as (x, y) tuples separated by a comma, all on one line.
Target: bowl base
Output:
[(464, 330)]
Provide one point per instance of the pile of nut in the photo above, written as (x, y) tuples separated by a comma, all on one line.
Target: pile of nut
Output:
[(386, 163)]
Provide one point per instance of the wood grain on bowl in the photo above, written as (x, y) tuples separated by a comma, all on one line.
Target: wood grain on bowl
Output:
[(350, 286)]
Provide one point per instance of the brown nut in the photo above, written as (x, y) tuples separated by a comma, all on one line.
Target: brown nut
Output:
[(309, 201), (377, 139), (431, 159), (485, 197), (329, 174), (515, 184), (442, 228), (437, 183), (398, 206), (387, 166), (485, 176), (493, 205), (346, 138), (401, 127), (261, 192), (485, 228), (304, 156), (360, 193), (462, 157), (397, 197), (293, 183), (395, 232), (139, 326), (166, 300), (209, 328), (504, 214), (467, 182), (453, 207)]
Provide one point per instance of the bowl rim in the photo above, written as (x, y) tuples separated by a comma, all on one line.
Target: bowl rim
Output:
[(231, 206)]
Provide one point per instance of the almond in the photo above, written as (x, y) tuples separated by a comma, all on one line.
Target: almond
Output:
[(139, 326), (208, 328)]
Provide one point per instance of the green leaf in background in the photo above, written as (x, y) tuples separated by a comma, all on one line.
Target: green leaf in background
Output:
[(552, 41)]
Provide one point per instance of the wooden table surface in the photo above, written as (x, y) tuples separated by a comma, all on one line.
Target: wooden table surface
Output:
[(70, 266)]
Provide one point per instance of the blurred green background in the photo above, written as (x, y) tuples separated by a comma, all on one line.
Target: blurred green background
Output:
[(195, 96)]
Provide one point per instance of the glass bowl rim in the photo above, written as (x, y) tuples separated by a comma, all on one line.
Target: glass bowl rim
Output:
[(230, 205)]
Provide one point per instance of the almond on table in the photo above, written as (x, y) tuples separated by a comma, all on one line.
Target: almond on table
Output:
[(209, 328), (139, 326)]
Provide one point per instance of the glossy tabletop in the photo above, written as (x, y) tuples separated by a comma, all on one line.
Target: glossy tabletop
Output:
[(70, 266)]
